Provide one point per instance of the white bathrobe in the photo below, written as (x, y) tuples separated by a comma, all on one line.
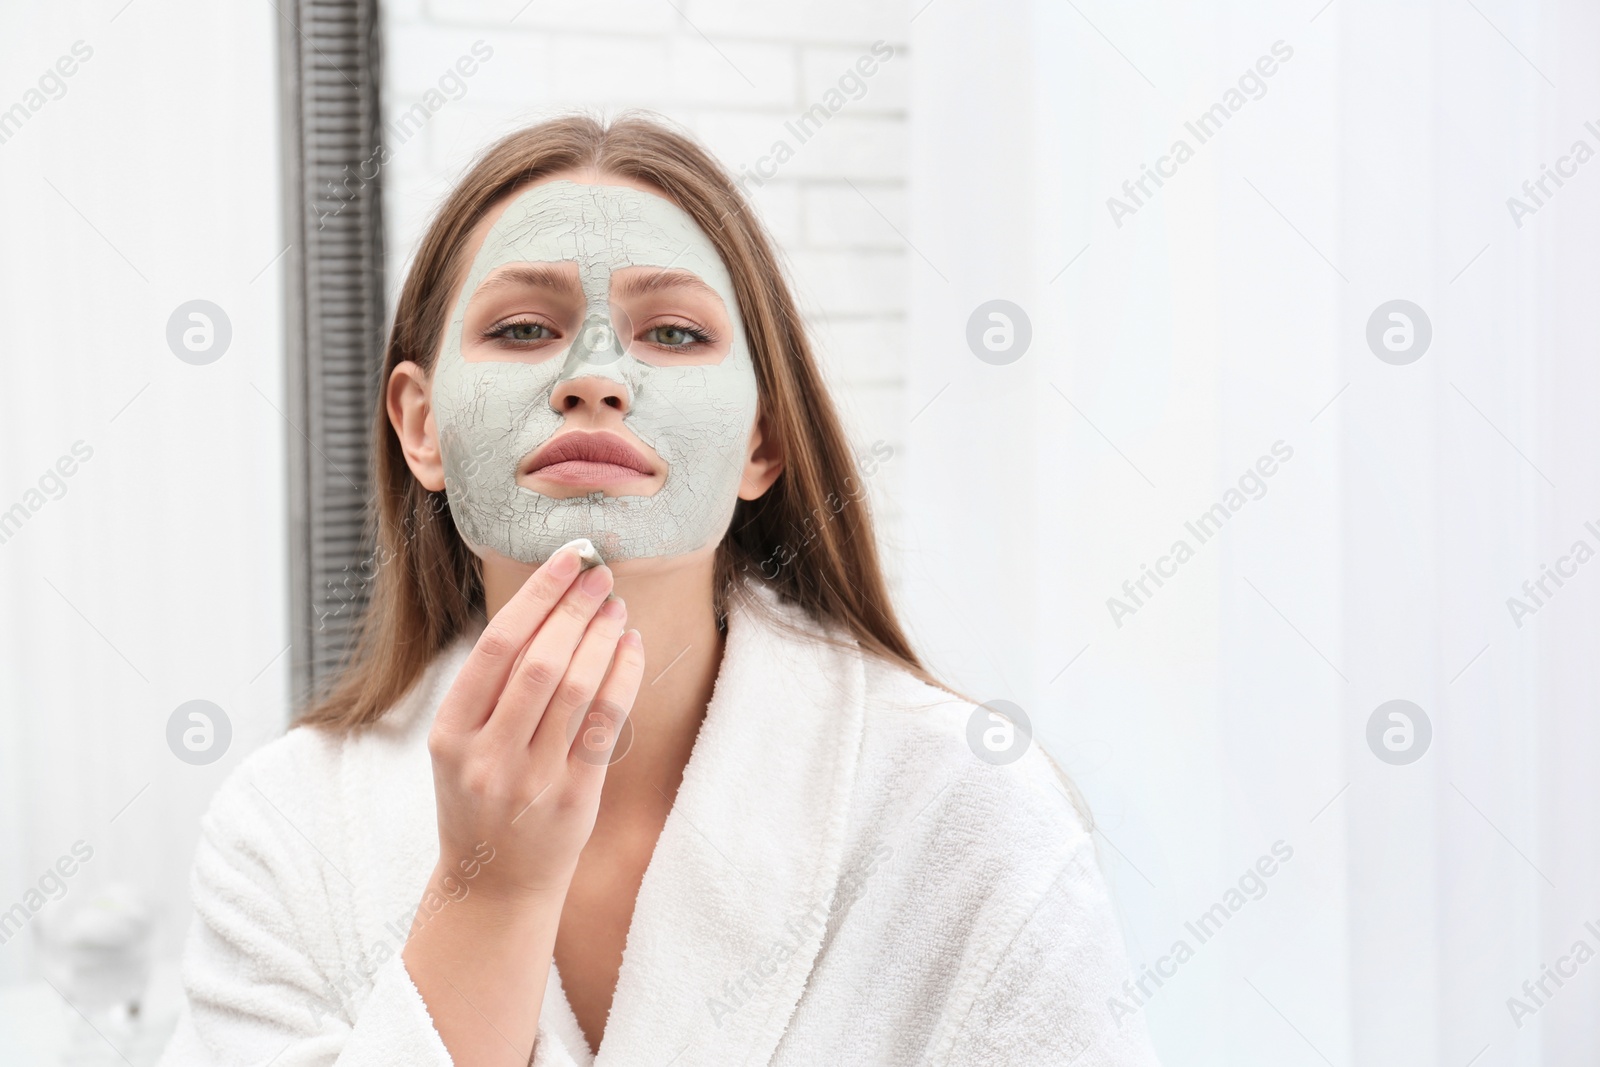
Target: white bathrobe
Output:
[(840, 881)]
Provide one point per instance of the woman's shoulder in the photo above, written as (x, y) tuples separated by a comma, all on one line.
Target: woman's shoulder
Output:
[(298, 764), (303, 772), (924, 745), (989, 857), (928, 754)]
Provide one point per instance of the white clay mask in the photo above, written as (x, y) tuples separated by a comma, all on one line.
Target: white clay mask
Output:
[(494, 413)]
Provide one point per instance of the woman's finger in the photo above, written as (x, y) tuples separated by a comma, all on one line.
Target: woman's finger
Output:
[(533, 682), (578, 687), (483, 676), (596, 738)]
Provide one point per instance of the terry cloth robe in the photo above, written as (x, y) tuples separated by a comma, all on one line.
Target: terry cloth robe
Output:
[(840, 881)]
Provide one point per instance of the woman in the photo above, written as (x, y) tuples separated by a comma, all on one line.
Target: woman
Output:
[(696, 804)]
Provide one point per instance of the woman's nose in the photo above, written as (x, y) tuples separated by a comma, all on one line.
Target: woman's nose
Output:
[(591, 373), (590, 392)]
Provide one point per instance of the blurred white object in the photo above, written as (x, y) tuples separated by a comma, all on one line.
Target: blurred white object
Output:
[(96, 950), (94, 955), (40, 1029)]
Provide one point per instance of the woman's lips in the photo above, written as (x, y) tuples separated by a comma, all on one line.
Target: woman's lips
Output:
[(581, 458), (587, 472)]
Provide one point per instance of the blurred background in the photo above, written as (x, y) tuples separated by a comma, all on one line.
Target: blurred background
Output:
[(1234, 364)]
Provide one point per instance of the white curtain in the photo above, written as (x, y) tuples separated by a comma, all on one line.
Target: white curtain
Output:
[(1340, 156), (146, 567)]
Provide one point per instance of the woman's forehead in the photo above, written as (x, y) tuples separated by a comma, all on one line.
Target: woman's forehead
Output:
[(601, 228)]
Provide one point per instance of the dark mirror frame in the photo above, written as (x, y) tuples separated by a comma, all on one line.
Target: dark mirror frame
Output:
[(329, 63)]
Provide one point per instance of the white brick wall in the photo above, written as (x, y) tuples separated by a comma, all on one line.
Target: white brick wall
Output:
[(738, 75)]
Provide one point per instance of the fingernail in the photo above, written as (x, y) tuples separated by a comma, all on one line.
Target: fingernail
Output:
[(614, 608), (632, 638)]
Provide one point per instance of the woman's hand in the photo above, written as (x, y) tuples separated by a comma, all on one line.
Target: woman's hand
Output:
[(522, 739), (520, 747)]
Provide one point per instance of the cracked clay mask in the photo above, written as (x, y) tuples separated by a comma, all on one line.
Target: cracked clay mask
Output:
[(491, 414)]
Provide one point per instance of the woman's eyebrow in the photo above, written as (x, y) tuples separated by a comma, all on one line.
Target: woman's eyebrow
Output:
[(656, 280), (537, 275)]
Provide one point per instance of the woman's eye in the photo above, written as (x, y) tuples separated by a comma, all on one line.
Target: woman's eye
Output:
[(523, 332), (527, 331), (674, 336)]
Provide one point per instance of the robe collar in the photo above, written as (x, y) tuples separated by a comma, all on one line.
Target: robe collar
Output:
[(732, 908)]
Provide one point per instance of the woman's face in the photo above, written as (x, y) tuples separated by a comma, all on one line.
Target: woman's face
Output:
[(593, 379)]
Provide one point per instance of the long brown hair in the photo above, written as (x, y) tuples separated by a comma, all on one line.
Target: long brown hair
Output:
[(809, 537)]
